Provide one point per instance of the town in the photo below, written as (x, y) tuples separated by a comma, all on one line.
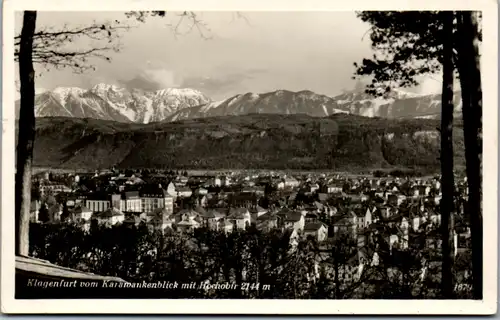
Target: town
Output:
[(321, 206)]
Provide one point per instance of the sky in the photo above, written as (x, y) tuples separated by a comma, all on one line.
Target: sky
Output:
[(237, 53)]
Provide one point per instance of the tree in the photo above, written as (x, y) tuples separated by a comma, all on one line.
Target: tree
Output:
[(447, 155), (51, 50), (48, 48), (26, 137), (403, 61), (407, 45), (469, 69)]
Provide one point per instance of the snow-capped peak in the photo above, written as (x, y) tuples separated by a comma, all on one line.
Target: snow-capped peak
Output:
[(112, 102), (184, 92), (402, 94), (105, 87), (62, 93)]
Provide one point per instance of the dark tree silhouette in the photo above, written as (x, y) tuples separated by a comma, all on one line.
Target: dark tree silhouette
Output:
[(26, 137), (468, 37), (414, 43)]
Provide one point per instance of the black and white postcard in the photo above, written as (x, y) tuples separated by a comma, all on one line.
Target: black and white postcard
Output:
[(220, 157)]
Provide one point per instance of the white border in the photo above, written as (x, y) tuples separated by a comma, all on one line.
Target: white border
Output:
[(490, 85)]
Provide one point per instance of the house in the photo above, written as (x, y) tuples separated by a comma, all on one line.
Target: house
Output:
[(81, 213), (401, 199), (323, 197), (368, 218), (181, 180), (398, 240), (201, 191), (212, 218), (226, 226), (291, 182), (267, 222), (240, 217), (133, 220), (334, 188), (243, 199), (360, 214), (188, 223), (317, 230), (214, 181), (184, 192), (163, 214), (55, 212), (160, 222), (256, 212), (34, 210), (421, 190), (110, 216), (314, 187), (404, 225), (225, 181), (294, 220), (187, 214), (171, 190), (415, 222), (344, 225), (311, 217), (202, 200)]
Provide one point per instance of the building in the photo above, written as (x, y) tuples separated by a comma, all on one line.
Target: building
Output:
[(213, 218), (171, 190), (294, 220), (317, 230), (158, 219), (81, 214), (240, 217), (184, 192), (154, 197), (130, 201), (267, 222), (53, 189), (34, 210), (110, 217), (189, 222), (97, 202), (291, 182), (256, 212), (334, 188), (55, 212)]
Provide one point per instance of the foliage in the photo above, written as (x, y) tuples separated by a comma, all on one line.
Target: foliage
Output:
[(306, 270), (407, 45)]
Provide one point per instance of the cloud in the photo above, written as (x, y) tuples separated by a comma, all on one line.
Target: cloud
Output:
[(220, 84), (151, 79)]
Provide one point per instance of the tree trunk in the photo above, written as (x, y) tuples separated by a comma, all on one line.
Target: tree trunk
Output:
[(26, 135), (472, 103), (447, 178)]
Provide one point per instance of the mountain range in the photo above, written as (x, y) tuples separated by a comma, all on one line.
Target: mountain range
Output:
[(109, 102)]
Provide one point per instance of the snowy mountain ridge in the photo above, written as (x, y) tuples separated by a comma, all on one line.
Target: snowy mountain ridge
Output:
[(110, 102)]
